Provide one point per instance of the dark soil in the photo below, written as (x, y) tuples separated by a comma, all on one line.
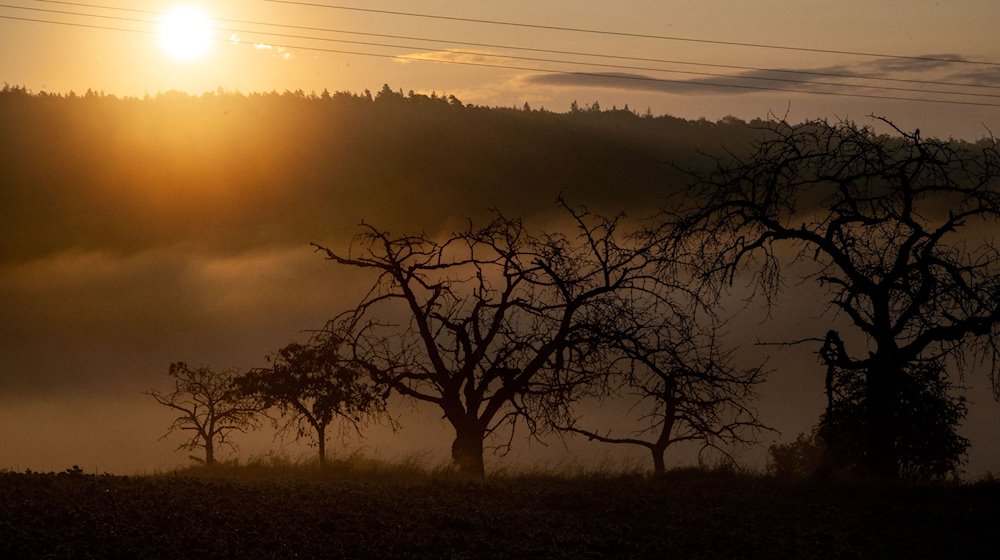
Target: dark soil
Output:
[(681, 515)]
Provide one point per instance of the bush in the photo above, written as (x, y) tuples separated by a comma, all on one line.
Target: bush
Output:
[(802, 458), (927, 416)]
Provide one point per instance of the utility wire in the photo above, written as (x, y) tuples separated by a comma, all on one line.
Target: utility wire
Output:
[(620, 66), (64, 12), (548, 51), (633, 78), (627, 34), (83, 25), (536, 59)]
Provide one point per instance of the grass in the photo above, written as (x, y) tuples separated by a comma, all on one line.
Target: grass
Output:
[(355, 467), (363, 508)]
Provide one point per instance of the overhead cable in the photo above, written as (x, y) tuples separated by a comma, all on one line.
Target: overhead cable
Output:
[(586, 75), (628, 34), (853, 76)]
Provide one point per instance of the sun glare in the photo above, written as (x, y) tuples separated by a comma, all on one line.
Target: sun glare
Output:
[(185, 33)]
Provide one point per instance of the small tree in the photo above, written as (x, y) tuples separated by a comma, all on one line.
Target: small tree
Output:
[(311, 386), (211, 410)]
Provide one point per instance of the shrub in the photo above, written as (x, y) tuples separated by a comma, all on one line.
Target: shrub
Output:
[(802, 458)]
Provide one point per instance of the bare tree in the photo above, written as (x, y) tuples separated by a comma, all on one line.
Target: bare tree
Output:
[(311, 385), (211, 410), (896, 230), (488, 324), (682, 381)]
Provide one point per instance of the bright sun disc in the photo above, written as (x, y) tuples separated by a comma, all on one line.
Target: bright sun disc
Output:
[(186, 33)]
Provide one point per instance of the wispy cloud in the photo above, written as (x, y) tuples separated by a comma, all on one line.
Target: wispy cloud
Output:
[(735, 84), (828, 79), (459, 57), (924, 63), (280, 52), (625, 81), (989, 76)]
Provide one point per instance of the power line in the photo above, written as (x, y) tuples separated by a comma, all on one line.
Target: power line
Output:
[(620, 57), (83, 25), (63, 12), (633, 78), (634, 35), (526, 58), (549, 51), (620, 66)]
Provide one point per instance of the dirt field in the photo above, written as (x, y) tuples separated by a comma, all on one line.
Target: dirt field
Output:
[(690, 514)]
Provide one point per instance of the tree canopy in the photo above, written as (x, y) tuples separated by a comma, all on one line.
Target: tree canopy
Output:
[(311, 385)]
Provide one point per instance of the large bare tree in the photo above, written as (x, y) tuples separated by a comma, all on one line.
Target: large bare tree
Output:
[(898, 231), (490, 324), (209, 409)]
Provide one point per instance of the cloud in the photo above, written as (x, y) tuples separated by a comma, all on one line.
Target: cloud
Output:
[(460, 57), (922, 63), (989, 76), (647, 82), (280, 52), (828, 79)]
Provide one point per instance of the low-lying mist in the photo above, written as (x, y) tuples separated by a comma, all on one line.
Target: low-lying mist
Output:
[(139, 232)]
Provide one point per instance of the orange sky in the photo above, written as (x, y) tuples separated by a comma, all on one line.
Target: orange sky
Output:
[(59, 58)]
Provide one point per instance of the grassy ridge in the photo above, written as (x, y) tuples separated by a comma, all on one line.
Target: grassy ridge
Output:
[(686, 514)]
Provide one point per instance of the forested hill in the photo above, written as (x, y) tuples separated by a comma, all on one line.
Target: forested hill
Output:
[(230, 171)]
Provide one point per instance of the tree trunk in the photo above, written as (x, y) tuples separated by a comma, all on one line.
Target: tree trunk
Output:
[(659, 466), (881, 432), (659, 447), (467, 449), (209, 451), (321, 443)]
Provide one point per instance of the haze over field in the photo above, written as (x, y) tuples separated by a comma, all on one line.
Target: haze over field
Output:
[(182, 240), (174, 239), (137, 230)]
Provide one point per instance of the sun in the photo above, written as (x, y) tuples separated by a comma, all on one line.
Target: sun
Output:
[(186, 33)]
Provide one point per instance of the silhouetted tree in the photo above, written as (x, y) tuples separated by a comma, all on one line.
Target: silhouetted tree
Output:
[(686, 387), (311, 386), (927, 444), (895, 229), (209, 406), (489, 324)]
